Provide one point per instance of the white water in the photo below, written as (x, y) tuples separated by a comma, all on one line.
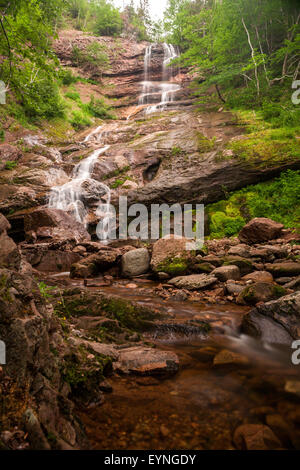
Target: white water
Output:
[(165, 90), (68, 197)]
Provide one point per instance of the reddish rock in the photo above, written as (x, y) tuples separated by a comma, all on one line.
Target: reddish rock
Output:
[(147, 361), (95, 264), (260, 230), (54, 224), (258, 276), (9, 153), (255, 437)]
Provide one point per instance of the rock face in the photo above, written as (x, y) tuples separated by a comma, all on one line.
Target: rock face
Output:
[(284, 312), (143, 361), (260, 230), (9, 253), (135, 262), (193, 282), (54, 224)]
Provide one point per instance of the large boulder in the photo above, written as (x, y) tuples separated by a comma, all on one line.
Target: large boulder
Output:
[(170, 255), (194, 281), (135, 262), (285, 312), (260, 230), (54, 224)]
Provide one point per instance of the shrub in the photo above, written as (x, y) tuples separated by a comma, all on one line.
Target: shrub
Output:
[(79, 120)]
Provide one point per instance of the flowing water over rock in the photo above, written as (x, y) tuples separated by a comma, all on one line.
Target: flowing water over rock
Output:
[(162, 92), (70, 196)]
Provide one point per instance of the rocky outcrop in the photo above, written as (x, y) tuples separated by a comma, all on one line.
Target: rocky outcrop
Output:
[(9, 252), (96, 263), (54, 224)]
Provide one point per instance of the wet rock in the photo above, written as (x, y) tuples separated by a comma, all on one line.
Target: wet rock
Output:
[(260, 292), (284, 280), (46, 259), (146, 361), (284, 269), (285, 312), (245, 265), (265, 328), (37, 438), (280, 428), (240, 250), (293, 284), (55, 224), (180, 296), (233, 288), (163, 276), (225, 273), (95, 263), (293, 387), (212, 259), (255, 437), (203, 267), (258, 276), (260, 230), (193, 281), (226, 358), (135, 262), (9, 253)]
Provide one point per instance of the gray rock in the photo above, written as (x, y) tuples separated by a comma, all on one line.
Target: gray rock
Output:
[(135, 262), (224, 273), (139, 360), (194, 281), (232, 288), (284, 311)]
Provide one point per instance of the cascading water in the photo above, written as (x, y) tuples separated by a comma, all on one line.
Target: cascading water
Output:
[(163, 91), (70, 196)]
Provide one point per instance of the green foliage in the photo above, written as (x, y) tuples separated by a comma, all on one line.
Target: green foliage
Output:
[(73, 95), (108, 21), (66, 77), (173, 266), (98, 108), (80, 120), (278, 199), (9, 165), (45, 290)]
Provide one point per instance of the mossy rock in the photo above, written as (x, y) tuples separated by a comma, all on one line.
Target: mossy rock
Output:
[(244, 264), (203, 268), (260, 292), (174, 266)]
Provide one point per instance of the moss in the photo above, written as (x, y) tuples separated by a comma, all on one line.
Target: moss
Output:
[(173, 266), (279, 291), (204, 144)]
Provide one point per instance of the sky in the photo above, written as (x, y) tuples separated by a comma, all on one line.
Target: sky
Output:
[(157, 7)]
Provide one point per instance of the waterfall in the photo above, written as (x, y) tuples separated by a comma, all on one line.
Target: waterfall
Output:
[(164, 90), (70, 196)]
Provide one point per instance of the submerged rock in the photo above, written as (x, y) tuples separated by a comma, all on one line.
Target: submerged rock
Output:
[(255, 437)]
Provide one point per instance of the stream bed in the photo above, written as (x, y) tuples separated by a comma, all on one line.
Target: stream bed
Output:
[(204, 403)]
